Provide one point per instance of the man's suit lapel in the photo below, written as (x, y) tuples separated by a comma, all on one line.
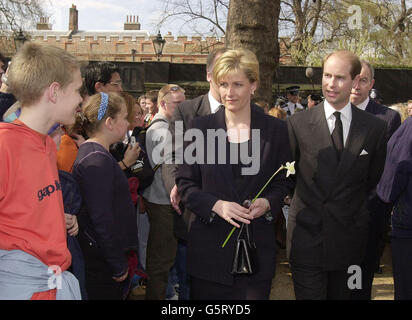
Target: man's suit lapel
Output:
[(371, 107), (357, 134), (204, 106)]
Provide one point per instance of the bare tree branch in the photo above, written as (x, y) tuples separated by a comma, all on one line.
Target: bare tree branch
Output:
[(192, 12), (20, 14)]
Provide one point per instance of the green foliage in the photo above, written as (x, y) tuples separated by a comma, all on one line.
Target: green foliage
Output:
[(385, 36)]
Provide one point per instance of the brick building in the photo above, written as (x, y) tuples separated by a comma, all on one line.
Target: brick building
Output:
[(127, 45)]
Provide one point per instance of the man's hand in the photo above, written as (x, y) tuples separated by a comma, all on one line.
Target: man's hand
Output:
[(131, 154), (175, 199)]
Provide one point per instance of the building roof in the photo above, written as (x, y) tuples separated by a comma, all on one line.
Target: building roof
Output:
[(112, 33), (90, 33)]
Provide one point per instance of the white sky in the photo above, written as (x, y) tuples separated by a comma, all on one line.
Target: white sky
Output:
[(107, 14)]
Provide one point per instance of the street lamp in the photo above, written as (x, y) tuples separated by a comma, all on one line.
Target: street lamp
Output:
[(133, 53), (158, 44), (19, 40), (309, 74)]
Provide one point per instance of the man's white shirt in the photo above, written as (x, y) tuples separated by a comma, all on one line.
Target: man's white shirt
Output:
[(214, 104), (364, 104), (346, 118)]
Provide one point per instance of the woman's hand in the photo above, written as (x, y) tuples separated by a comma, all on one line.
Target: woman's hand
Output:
[(121, 278), (72, 226), (131, 154), (231, 211), (259, 207)]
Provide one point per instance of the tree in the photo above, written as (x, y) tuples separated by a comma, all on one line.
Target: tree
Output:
[(197, 16), (19, 14), (253, 25), (392, 32), (382, 33), (310, 26), (299, 20)]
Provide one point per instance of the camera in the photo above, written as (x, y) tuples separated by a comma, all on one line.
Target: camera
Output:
[(133, 140)]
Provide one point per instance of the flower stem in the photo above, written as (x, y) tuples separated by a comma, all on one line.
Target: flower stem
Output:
[(228, 237), (257, 196), (273, 175)]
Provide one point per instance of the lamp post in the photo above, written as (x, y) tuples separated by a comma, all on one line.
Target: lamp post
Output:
[(133, 53), (158, 44), (309, 74), (19, 40)]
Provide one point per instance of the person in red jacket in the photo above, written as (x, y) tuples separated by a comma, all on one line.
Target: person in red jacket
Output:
[(46, 81)]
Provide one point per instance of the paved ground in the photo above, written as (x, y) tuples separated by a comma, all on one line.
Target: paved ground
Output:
[(282, 287)]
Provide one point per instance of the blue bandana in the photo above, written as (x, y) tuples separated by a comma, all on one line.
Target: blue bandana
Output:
[(103, 105)]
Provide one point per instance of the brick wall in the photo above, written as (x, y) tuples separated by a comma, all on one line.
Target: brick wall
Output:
[(119, 48)]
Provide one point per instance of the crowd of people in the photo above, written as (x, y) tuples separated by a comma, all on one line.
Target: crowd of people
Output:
[(102, 192)]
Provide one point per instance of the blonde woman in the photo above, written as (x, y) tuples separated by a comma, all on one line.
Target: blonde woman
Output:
[(277, 113), (215, 191)]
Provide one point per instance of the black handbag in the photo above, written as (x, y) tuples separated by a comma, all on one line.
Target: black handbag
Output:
[(244, 260)]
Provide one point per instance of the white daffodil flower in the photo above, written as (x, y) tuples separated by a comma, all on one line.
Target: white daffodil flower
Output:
[(290, 167)]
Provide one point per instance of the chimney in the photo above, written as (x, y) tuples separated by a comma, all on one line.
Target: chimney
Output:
[(43, 24), (73, 19), (132, 23)]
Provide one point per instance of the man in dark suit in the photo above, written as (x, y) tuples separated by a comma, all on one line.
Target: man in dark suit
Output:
[(183, 115), (380, 212), (181, 119), (340, 153)]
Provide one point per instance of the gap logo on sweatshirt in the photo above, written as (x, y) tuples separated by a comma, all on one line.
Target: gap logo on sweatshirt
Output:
[(49, 190)]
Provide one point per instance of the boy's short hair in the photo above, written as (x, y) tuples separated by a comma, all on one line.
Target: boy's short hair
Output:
[(169, 88), (99, 72), (212, 57), (35, 67)]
